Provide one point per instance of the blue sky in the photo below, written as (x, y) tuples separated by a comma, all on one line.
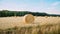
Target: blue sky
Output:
[(48, 6)]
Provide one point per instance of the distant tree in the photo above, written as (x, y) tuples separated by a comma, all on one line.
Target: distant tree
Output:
[(5, 13)]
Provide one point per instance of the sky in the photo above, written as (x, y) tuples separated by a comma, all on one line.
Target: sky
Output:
[(47, 6)]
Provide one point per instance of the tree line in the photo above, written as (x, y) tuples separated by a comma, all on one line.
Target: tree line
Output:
[(6, 13)]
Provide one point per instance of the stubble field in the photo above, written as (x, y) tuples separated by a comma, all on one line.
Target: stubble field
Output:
[(41, 25)]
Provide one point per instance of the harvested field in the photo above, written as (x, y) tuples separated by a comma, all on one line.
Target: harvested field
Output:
[(41, 25)]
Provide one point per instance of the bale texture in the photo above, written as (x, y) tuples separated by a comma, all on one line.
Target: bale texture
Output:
[(28, 18)]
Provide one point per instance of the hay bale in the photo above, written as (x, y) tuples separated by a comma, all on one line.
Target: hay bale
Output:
[(28, 18)]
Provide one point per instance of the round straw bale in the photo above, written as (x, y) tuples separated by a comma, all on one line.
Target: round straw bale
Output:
[(28, 18)]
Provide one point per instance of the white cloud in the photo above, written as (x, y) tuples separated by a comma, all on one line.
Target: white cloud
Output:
[(55, 3), (52, 9), (12, 6), (41, 7)]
